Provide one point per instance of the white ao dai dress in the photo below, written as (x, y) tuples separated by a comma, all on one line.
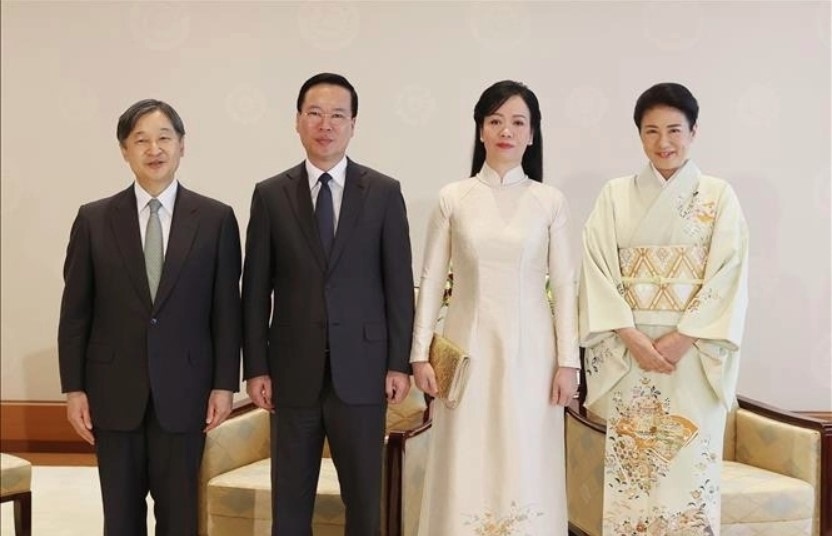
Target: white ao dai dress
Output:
[(496, 462)]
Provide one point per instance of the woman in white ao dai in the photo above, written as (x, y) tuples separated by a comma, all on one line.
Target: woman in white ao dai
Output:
[(496, 462)]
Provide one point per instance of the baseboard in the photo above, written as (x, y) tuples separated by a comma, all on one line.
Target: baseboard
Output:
[(38, 427)]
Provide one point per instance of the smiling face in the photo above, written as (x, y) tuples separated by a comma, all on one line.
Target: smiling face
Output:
[(666, 137), (325, 124), (153, 149), (506, 133)]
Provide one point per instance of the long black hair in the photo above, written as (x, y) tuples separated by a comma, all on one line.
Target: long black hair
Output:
[(490, 100)]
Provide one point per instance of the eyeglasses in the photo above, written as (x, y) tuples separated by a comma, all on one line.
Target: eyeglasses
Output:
[(316, 117)]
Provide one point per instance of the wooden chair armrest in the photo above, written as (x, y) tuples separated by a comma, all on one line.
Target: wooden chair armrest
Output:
[(586, 418)]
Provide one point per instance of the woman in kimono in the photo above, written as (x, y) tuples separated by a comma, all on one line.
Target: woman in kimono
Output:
[(496, 462), (662, 310)]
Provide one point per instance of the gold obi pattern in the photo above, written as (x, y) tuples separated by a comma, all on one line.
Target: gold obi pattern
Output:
[(661, 278)]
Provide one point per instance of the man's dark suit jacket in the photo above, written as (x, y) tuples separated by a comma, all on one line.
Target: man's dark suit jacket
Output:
[(120, 348), (361, 298)]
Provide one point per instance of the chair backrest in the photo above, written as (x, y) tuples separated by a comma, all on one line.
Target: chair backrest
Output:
[(409, 413)]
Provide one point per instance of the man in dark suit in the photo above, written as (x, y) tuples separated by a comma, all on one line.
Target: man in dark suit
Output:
[(149, 335), (328, 258)]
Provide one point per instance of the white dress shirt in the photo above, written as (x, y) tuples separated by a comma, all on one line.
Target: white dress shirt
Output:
[(336, 185), (167, 198)]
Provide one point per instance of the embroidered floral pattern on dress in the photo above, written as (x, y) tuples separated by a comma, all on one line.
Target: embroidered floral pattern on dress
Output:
[(702, 298), (645, 437), (510, 524), (598, 354), (693, 520), (699, 216)]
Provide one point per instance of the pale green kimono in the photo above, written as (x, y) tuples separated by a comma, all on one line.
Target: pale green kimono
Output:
[(662, 256)]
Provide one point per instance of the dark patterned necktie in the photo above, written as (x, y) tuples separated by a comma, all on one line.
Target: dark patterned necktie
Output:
[(325, 214)]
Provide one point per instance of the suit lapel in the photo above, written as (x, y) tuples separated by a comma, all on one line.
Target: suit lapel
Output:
[(182, 232), (297, 190), (124, 221), (351, 204)]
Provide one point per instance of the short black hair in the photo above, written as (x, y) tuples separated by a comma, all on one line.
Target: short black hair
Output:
[(127, 121), (491, 99), (331, 79), (668, 94)]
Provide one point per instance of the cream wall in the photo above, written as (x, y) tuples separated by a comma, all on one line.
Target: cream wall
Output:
[(761, 71)]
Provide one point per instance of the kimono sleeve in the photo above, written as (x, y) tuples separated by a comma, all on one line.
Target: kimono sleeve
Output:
[(602, 309), (716, 315), (717, 312)]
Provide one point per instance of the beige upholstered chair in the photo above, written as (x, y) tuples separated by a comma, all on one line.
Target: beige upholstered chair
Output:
[(235, 490), (16, 485), (776, 477)]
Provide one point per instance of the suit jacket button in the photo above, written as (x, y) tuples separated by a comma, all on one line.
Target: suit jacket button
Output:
[(153, 321)]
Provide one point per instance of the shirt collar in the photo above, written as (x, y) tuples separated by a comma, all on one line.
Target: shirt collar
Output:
[(490, 177), (167, 197), (338, 172)]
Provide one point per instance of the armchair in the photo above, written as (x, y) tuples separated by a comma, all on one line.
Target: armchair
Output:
[(235, 481)]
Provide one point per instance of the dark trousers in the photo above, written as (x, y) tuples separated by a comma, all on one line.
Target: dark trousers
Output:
[(356, 441), (149, 459)]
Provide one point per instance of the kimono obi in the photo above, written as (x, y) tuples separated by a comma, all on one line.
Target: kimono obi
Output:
[(661, 278)]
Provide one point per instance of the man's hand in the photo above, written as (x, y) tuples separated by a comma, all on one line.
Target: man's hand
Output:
[(673, 346), (564, 386), (425, 378), (397, 385), (642, 350), (78, 415), (259, 389), (219, 408)]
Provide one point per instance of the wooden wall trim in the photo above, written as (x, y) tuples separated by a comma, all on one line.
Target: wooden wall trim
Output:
[(38, 427)]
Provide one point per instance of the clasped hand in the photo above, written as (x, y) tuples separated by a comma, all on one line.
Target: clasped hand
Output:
[(660, 355)]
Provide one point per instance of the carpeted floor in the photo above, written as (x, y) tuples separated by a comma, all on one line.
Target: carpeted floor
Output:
[(66, 501)]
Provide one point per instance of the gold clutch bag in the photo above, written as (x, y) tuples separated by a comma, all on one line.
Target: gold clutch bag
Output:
[(450, 364)]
